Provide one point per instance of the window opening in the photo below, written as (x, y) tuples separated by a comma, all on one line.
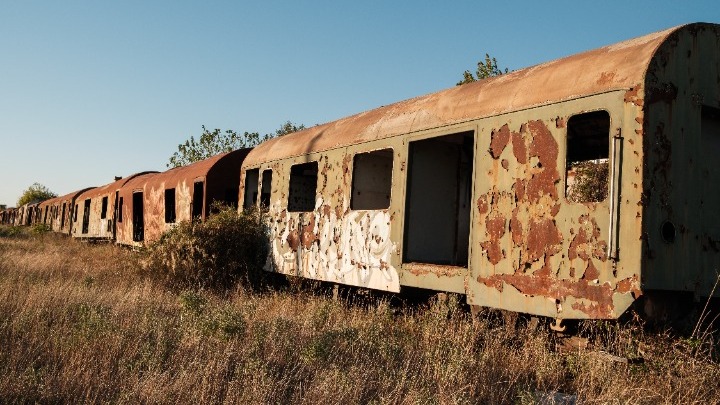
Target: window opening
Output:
[(438, 200), (708, 175), (74, 213), (266, 188), (231, 196), (372, 180), (62, 218), (170, 206), (103, 210), (86, 216), (588, 149), (198, 197), (303, 185), (138, 217), (120, 210), (251, 188)]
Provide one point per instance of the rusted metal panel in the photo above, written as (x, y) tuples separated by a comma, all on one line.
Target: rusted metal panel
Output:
[(681, 138), (535, 250), (330, 241)]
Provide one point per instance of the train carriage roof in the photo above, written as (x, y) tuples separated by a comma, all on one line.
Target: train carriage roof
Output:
[(110, 187), (614, 67), (192, 171)]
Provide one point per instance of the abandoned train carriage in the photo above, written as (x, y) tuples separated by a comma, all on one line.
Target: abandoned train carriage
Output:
[(57, 212), (94, 211), (153, 204), (471, 189)]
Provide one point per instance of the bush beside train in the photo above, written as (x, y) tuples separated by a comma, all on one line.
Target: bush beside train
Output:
[(470, 190)]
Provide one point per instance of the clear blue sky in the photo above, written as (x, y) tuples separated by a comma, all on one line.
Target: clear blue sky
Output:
[(94, 89)]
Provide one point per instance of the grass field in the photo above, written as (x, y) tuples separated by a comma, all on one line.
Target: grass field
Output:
[(85, 323)]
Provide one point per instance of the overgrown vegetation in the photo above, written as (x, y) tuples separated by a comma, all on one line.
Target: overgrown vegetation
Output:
[(216, 253), (84, 323), (485, 68), (217, 141), (590, 182)]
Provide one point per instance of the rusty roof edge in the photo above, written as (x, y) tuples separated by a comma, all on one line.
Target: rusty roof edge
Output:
[(452, 124), (280, 148)]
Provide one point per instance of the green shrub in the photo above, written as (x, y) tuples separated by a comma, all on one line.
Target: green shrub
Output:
[(228, 247), (11, 231), (40, 229)]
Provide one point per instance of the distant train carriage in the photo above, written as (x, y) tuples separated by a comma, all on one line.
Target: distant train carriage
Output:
[(476, 189), (153, 204), (95, 210), (58, 211)]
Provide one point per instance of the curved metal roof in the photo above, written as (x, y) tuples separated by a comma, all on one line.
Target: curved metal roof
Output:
[(109, 188), (614, 67), (191, 171)]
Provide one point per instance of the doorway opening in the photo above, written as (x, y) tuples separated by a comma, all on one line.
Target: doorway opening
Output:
[(438, 200), (138, 217)]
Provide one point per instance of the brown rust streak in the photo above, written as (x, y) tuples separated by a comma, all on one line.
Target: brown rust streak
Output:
[(632, 95), (423, 269), (601, 295)]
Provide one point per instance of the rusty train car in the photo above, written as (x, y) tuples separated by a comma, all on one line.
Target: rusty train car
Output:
[(155, 203), (471, 189), (482, 189)]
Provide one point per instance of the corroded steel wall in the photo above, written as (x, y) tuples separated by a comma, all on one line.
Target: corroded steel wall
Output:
[(681, 199)]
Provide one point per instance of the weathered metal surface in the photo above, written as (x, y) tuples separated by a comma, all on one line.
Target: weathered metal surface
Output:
[(220, 175), (331, 242), (681, 139)]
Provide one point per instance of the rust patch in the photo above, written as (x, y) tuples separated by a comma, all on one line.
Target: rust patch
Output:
[(629, 285), (631, 95), (519, 148), (495, 230), (308, 233), (482, 205), (544, 238), (559, 122), (423, 269), (293, 240), (545, 148), (533, 285), (499, 140), (505, 164)]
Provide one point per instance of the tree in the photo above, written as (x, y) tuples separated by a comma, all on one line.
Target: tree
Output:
[(288, 128), (485, 69), (36, 192), (217, 141)]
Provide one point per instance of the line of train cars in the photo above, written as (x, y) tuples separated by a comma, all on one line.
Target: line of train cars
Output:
[(472, 189)]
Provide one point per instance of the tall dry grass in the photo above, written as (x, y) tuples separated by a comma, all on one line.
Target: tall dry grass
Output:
[(82, 323)]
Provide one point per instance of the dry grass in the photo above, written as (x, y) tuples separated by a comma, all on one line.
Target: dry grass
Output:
[(81, 323)]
